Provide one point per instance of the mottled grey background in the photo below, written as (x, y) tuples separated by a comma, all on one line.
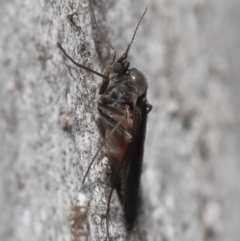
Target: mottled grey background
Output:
[(189, 51)]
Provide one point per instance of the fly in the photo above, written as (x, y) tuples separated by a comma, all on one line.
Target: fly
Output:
[(123, 106)]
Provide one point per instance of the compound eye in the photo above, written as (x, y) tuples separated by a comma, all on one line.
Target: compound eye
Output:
[(137, 81), (118, 67)]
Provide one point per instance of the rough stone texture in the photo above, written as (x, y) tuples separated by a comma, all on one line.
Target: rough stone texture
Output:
[(189, 51)]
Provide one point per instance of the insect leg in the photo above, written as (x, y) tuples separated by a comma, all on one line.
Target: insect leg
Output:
[(107, 71), (80, 65), (100, 31), (111, 60), (107, 212), (116, 126), (108, 119), (110, 195)]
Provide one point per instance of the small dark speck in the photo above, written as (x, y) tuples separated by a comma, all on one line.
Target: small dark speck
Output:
[(47, 186), (209, 233), (198, 9), (20, 185), (203, 149), (164, 238), (6, 62), (73, 18), (82, 49), (185, 226), (187, 118), (66, 120), (19, 85)]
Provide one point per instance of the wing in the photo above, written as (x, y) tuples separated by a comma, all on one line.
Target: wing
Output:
[(133, 163)]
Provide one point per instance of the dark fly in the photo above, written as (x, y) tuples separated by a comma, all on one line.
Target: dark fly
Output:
[(123, 106)]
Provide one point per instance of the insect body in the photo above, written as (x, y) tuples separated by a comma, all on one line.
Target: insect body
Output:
[(124, 148), (123, 106)]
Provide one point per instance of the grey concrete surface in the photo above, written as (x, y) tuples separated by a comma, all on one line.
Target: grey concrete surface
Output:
[(189, 51)]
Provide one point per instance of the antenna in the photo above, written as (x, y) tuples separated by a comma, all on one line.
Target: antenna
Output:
[(101, 32), (125, 54)]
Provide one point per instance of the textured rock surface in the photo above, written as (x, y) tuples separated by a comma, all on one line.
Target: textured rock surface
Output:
[(189, 51)]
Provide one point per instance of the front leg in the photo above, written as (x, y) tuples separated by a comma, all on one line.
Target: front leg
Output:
[(107, 71), (81, 66)]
